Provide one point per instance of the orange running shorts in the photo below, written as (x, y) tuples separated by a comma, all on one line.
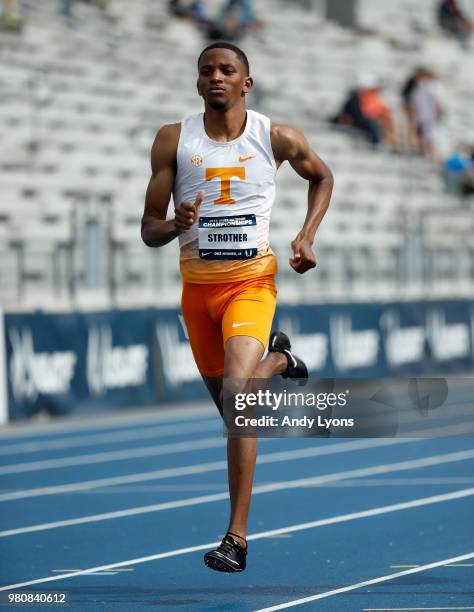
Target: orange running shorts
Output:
[(213, 313)]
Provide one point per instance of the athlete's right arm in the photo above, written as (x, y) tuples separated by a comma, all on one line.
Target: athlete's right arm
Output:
[(156, 230)]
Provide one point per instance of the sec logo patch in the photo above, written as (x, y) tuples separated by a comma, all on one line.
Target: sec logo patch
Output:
[(196, 160)]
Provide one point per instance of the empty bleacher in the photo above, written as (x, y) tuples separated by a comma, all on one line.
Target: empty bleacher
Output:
[(79, 108)]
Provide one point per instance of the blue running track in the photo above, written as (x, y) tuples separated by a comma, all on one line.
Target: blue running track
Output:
[(119, 512)]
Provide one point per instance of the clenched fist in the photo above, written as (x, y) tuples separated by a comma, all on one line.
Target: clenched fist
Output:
[(187, 213)]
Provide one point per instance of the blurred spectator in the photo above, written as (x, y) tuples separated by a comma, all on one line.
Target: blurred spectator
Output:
[(426, 112), (191, 10), (100, 4), (413, 139), (197, 12), (66, 9), (459, 171), (177, 8), (453, 21), (237, 19), (10, 18), (366, 110)]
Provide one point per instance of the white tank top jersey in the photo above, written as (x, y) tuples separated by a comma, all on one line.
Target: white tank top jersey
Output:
[(229, 241)]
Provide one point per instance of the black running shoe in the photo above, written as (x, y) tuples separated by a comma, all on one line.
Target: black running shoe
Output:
[(296, 370), (229, 556)]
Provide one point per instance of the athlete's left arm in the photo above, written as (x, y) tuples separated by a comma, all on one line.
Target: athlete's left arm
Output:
[(290, 144)]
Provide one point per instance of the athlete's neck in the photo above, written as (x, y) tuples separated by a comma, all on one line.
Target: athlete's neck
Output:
[(225, 126)]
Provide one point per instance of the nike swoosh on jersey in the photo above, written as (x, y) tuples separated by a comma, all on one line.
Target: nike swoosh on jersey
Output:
[(246, 323), (243, 158)]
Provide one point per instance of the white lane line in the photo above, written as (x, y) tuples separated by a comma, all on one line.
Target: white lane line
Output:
[(393, 482), (61, 571), (119, 455), (220, 465), (199, 488), (360, 585), (203, 468), (135, 453), (219, 487), (141, 433), (149, 451), (443, 609), (259, 489), (88, 485), (168, 414), (450, 565), (416, 503)]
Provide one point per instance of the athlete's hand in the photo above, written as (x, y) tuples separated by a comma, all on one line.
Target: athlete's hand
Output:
[(187, 213), (303, 257)]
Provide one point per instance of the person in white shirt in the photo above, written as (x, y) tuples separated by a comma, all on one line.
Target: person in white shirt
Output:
[(426, 110)]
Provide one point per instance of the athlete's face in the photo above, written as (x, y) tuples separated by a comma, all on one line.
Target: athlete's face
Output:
[(222, 79)]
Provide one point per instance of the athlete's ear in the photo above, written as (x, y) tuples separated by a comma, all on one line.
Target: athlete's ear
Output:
[(198, 88), (248, 83)]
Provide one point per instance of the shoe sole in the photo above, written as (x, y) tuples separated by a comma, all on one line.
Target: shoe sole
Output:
[(220, 566)]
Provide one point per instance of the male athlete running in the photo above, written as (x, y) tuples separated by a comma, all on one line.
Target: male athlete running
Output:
[(220, 166)]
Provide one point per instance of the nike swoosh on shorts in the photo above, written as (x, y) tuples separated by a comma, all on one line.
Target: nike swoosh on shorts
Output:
[(240, 324)]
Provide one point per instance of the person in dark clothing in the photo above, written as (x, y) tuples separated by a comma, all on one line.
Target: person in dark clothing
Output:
[(237, 19), (412, 135), (351, 115), (366, 110), (453, 21)]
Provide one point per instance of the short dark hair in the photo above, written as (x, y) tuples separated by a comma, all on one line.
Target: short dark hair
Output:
[(226, 45)]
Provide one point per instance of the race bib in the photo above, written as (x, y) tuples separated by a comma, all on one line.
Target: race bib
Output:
[(228, 237)]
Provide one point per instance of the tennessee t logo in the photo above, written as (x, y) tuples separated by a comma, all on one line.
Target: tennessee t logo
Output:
[(225, 174)]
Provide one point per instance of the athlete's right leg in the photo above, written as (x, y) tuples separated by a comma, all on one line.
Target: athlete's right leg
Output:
[(205, 337)]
